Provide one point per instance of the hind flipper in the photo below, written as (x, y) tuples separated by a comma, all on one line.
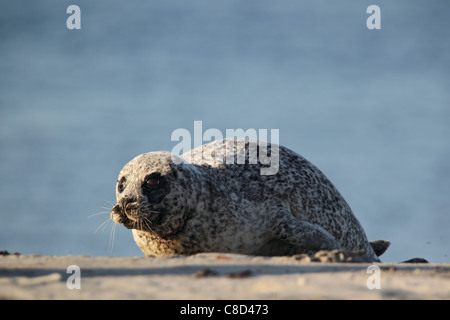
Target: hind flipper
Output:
[(380, 246)]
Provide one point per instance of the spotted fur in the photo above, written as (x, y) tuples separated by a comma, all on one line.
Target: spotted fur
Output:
[(203, 204)]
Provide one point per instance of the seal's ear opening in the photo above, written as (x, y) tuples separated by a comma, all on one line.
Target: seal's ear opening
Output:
[(175, 174)]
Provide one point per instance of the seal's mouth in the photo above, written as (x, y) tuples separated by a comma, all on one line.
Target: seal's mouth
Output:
[(173, 233), (154, 223)]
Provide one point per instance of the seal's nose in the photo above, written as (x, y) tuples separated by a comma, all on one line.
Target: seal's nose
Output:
[(126, 200), (117, 214), (129, 205)]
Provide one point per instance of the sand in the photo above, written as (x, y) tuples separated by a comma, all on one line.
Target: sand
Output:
[(216, 276)]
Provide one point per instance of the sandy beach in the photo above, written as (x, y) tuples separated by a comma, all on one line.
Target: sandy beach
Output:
[(215, 276)]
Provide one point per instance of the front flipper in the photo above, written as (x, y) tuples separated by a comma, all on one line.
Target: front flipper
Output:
[(305, 235)]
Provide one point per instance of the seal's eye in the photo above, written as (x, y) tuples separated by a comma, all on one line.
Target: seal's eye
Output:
[(151, 182), (121, 185)]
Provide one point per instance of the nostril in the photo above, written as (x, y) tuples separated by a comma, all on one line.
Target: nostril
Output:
[(128, 204), (126, 200)]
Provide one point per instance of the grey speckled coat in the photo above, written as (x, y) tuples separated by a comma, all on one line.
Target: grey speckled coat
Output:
[(201, 203)]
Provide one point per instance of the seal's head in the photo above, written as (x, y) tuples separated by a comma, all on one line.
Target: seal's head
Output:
[(150, 196)]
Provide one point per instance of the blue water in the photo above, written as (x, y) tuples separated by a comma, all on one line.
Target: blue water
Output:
[(370, 108)]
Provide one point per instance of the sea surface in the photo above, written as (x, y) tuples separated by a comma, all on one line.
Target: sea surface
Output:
[(370, 108)]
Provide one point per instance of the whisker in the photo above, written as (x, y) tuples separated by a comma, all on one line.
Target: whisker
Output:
[(147, 223), (145, 220), (103, 224), (112, 236), (99, 213), (110, 203)]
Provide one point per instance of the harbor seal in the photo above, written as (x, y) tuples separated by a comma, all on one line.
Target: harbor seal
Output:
[(200, 202)]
